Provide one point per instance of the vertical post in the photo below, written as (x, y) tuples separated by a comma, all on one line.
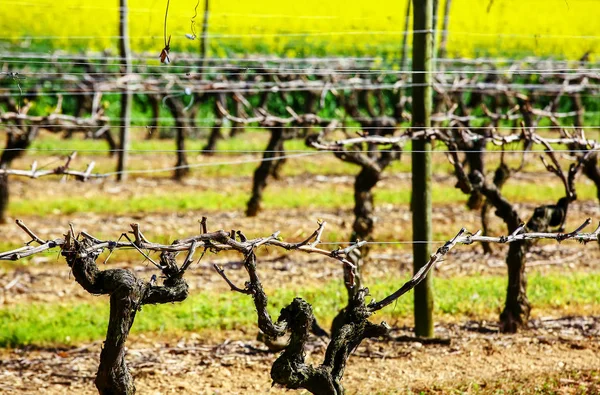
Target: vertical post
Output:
[(444, 40), (434, 23), (203, 39), (405, 37), (421, 161), (126, 96)]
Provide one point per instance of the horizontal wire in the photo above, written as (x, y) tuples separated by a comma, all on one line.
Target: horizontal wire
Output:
[(62, 55), (55, 250), (291, 151), (534, 88), (197, 165), (210, 123), (471, 61), (304, 71), (172, 65), (263, 86), (325, 34), (271, 159)]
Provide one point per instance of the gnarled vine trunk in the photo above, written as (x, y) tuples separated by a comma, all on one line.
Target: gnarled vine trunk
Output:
[(265, 169), (176, 107), (516, 307), (16, 144), (127, 295)]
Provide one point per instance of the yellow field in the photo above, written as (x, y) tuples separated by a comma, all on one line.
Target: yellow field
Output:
[(558, 28)]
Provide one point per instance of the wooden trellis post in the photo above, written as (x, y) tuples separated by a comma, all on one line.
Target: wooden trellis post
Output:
[(422, 53), (127, 96)]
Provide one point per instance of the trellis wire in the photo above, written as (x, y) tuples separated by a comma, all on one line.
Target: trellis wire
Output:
[(210, 122), (540, 89), (344, 59), (116, 63), (324, 34), (292, 151), (574, 72)]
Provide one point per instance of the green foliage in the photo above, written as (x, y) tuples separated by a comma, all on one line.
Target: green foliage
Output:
[(276, 197), (463, 297)]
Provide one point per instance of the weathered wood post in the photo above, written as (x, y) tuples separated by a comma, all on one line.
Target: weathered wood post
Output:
[(422, 52), (127, 96), (203, 38), (404, 54), (442, 52)]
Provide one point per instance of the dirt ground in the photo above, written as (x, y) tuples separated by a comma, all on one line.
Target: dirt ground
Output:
[(47, 278), (555, 355), (552, 356)]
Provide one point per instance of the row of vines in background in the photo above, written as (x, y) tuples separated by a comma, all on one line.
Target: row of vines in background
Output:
[(42, 79), (470, 107)]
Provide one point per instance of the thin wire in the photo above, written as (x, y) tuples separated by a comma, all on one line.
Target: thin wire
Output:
[(318, 72), (384, 242), (325, 34), (547, 93), (301, 153), (263, 59), (197, 165), (116, 64), (484, 60), (273, 87), (210, 122), (310, 59), (61, 55)]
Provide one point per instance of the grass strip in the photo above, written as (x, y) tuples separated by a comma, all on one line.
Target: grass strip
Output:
[(459, 297), (275, 197)]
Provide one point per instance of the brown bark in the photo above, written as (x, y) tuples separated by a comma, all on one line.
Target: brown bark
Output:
[(16, 144), (127, 295), (474, 158), (501, 175), (278, 164), (237, 127), (290, 369), (153, 131), (176, 107), (4, 197), (517, 307), (591, 171), (112, 143), (213, 138), (372, 164), (590, 164), (265, 169)]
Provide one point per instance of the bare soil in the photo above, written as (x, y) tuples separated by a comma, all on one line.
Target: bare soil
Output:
[(47, 278), (555, 355), (561, 355)]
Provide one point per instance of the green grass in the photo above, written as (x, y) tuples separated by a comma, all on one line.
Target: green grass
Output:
[(251, 139), (254, 139), (475, 296), (275, 197)]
